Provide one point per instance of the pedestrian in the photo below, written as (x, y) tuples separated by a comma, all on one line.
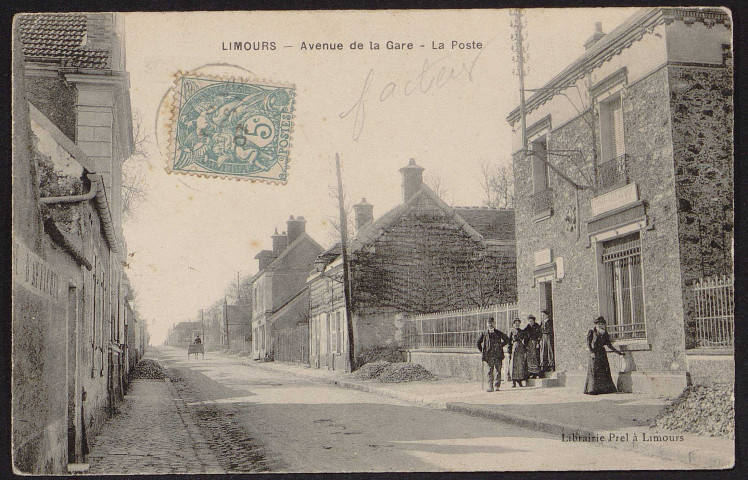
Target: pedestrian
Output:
[(599, 379), (517, 355), (547, 360), (491, 344), (532, 343)]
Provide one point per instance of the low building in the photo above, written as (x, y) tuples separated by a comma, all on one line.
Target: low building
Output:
[(281, 277), (422, 256), (624, 200), (72, 131)]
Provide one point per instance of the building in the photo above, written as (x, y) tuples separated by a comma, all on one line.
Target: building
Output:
[(422, 256), (237, 325), (184, 333), (281, 277), (72, 131), (624, 200)]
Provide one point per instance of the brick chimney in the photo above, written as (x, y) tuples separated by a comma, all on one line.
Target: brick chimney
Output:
[(595, 36), (412, 179), (364, 213), (295, 228), (280, 241)]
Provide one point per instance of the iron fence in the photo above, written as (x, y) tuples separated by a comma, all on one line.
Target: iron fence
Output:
[(457, 328), (714, 315)]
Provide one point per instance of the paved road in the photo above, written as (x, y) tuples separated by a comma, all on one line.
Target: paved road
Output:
[(255, 420)]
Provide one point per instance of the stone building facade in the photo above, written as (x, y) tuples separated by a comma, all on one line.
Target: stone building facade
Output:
[(72, 131), (281, 277), (623, 200), (422, 256)]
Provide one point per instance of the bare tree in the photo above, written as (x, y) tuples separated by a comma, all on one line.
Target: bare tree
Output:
[(497, 182), (134, 170), (333, 220), (436, 182)]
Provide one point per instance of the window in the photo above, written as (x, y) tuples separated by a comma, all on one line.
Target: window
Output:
[(334, 334), (611, 128), (339, 328), (621, 260), (540, 172)]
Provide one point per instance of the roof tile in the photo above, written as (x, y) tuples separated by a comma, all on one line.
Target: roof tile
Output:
[(59, 37)]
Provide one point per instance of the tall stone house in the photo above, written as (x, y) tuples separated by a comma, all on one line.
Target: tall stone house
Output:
[(422, 256), (281, 277), (624, 196), (72, 131)]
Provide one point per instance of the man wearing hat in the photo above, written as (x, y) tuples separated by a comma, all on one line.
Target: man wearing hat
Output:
[(547, 361), (491, 344)]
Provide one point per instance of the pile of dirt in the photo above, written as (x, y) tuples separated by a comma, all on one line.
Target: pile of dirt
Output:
[(148, 369), (371, 370), (404, 372), (700, 409)]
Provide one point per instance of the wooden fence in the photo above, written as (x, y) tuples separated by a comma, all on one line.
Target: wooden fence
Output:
[(456, 328), (714, 316), (292, 344)]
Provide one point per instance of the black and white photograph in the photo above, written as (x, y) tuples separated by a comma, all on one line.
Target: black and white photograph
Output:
[(360, 241)]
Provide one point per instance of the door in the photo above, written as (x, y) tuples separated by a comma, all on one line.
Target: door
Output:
[(74, 434), (546, 303)]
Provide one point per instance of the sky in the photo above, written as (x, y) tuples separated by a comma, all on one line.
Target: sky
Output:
[(375, 108)]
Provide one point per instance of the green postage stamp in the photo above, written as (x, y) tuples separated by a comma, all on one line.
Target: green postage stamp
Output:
[(231, 128)]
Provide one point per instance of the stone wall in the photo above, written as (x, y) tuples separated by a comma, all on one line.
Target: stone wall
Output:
[(39, 394), (647, 132), (701, 100)]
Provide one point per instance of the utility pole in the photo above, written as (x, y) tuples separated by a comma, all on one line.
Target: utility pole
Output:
[(346, 285), (226, 318), (202, 323), (238, 291), (520, 56)]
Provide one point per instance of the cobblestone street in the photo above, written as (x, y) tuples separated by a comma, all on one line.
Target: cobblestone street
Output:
[(151, 434)]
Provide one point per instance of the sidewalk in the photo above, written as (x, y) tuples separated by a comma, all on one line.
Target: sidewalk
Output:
[(618, 420), (151, 434)]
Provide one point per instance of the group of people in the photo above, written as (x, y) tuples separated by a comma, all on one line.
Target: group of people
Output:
[(531, 353), (530, 350)]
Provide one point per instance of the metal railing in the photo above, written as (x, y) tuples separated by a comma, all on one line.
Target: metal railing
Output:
[(457, 328), (627, 331), (613, 173), (542, 201), (714, 315)]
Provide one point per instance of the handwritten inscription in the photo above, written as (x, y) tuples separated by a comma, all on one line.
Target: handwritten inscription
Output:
[(433, 75)]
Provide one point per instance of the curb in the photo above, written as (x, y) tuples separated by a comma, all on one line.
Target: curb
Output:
[(207, 458), (693, 456)]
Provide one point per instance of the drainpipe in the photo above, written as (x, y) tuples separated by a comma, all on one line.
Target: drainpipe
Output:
[(98, 193)]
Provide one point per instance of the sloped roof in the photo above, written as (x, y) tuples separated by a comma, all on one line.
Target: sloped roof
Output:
[(291, 312), (59, 38), (492, 223), (371, 231)]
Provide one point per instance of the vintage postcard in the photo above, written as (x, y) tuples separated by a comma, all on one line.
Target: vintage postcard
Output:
[(373, 241)]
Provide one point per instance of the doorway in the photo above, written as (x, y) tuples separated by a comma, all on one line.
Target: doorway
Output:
[(546, 303)]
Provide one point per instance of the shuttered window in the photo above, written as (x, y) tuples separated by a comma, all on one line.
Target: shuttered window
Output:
[(616, 123)]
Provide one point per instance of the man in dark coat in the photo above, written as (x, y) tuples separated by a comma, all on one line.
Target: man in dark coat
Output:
[(491, 344)]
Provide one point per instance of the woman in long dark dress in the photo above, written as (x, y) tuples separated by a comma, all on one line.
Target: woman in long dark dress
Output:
[(532, 344), (599, 379), (517, 355)]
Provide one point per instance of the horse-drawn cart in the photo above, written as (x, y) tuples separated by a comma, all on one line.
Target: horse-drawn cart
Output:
[(195, 348)]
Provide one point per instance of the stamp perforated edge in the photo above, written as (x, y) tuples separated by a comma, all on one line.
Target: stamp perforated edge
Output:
[(175, 99)]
